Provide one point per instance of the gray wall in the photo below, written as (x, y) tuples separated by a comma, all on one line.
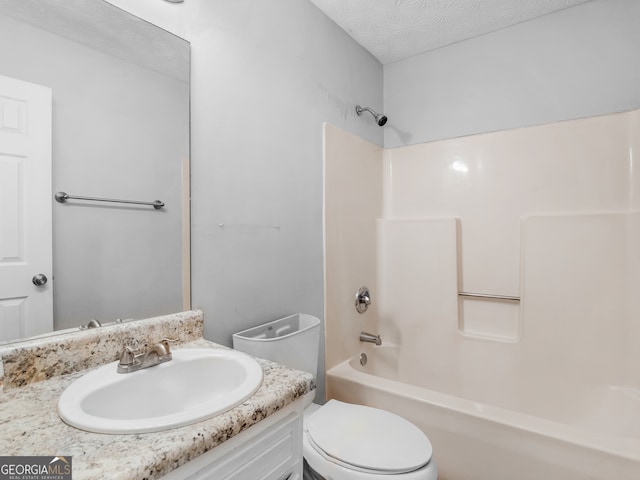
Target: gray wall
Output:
[(114, 135), (578, 62), (265, 76)]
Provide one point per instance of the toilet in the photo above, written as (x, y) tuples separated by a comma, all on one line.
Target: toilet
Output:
[(341, 441)]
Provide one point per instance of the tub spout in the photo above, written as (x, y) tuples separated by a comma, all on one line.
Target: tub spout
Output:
[(370, 338)]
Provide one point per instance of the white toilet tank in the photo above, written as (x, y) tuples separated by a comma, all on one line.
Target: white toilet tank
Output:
[(292, 341)]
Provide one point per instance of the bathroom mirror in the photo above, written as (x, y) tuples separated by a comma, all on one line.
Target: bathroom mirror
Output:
[(120, 129)]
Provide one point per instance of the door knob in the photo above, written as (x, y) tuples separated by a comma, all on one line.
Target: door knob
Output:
[(39, 280)]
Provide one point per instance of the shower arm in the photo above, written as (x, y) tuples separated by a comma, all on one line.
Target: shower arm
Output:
[(381, 119), (360, 109)]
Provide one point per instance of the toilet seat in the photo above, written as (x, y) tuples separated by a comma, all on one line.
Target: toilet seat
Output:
[(367, 440)]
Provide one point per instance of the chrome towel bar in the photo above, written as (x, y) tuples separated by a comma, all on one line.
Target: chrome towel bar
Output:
[(62, 197), (491, 297)]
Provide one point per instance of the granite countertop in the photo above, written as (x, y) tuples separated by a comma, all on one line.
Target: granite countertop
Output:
[(29, 425)]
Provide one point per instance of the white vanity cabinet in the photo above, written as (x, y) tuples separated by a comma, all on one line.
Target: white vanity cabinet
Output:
[(268, 450)]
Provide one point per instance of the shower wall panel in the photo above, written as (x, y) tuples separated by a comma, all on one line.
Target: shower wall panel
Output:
[(546, 214), (352, 203)]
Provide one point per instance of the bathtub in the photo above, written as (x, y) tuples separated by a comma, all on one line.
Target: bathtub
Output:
[(543, 432)]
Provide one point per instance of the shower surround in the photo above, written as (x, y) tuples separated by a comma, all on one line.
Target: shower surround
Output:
[(542, 384)]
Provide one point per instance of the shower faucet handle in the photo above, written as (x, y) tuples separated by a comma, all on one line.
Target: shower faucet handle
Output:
[(363, 299)]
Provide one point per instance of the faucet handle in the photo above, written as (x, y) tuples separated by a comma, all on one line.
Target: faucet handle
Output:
[(162, 347), (128, 356), (363, 299), (166, 341)]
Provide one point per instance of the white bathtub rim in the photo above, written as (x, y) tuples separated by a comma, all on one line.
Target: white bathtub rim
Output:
[(623, 447)]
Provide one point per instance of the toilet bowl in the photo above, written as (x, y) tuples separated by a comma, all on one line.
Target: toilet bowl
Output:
[(341, 441)]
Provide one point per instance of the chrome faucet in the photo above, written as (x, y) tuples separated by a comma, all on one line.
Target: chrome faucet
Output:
[(370, 338), (130, 361)]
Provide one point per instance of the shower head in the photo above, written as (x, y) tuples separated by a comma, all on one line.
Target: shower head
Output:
[(380, 119)]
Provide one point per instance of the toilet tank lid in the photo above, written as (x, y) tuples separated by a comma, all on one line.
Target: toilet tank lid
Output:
[(368, 438)]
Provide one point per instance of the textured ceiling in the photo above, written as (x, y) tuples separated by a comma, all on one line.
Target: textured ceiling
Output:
[(396, 29)]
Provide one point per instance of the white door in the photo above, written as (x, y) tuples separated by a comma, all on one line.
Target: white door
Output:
[(25, 209)]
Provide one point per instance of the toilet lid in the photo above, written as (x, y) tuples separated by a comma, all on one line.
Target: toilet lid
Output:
[(368, 438)]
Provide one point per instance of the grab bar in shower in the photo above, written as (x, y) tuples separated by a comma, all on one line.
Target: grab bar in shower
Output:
[(508, 298), (62, 197)]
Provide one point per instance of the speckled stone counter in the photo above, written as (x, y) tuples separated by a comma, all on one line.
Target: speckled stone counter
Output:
[(40, 358), (29, 424)]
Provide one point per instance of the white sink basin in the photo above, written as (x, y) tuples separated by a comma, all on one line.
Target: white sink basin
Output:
[(197, 384)]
